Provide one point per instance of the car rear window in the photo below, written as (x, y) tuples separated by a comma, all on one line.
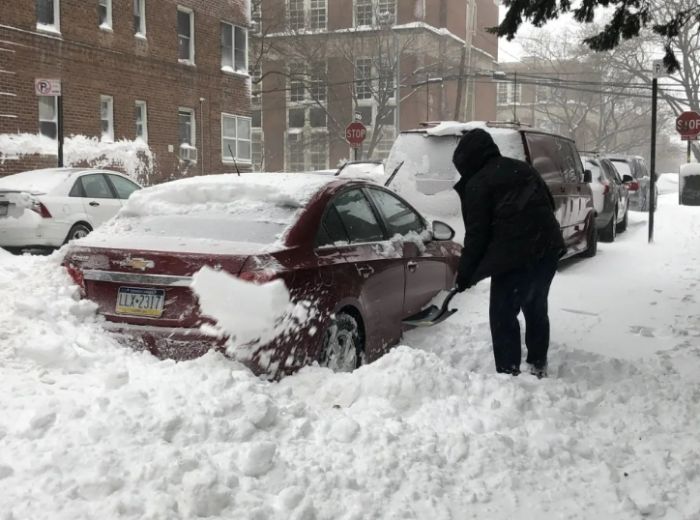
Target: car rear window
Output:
[(623, 167)]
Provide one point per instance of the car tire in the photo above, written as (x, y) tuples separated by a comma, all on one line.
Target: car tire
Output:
[(622, 226), (77, 231), (343, 344), (608, 233), (592, 246)]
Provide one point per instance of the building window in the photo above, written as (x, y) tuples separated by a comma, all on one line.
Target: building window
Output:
[(375, 12), (105, 11), (48, 14), (107, 117), (141, 118), (256, 15), (256, 83), (140, 18), (257, 150), (48, 116), (363, 78), (307, 151), (295, 147), (235, 138), (234, 48), (307, 14), (318, 86), (185, 35), (186, 126), (508, 93)]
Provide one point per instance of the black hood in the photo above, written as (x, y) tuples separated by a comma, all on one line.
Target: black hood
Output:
[(475, 149)]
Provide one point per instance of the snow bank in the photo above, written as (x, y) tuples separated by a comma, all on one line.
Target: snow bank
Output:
[(214, 213), (134, 157)]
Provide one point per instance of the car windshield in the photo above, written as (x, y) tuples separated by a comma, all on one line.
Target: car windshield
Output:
[(35, 181), (216, 213)]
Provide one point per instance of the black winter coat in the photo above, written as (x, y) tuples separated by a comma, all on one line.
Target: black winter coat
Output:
[(507, 208)]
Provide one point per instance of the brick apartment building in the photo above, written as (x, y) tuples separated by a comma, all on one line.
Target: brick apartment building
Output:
[(170, 73), (319, 64)]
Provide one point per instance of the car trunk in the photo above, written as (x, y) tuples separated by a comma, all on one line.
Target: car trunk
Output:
[(145, 287), (13, 203)]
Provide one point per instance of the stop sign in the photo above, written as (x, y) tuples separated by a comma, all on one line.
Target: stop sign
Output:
[(355, 133), (688, 125)]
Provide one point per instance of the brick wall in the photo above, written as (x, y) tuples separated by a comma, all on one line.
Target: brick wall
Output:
[(92, 61)]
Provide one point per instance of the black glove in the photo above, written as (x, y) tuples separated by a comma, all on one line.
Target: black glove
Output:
[(462, 283)]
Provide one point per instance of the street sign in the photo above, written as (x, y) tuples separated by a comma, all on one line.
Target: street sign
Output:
[(688, 125), (355, 134), (47, 87), (659, 69)]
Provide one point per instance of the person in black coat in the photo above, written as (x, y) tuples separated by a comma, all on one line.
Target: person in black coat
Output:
[(512, 236)]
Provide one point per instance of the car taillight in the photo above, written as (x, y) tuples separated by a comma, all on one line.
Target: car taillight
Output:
[(41, 209), (633, 185), (606, 188), (77, 276), (263, 276)]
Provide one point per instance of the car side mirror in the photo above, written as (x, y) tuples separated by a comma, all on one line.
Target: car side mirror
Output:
[(587, 176), (442, 231), (627, 178)]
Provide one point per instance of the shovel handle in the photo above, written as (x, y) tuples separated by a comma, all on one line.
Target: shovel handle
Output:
[(448, 298)]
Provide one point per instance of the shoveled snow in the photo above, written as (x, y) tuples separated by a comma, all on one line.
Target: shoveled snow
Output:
[(214, 213), (35, 181), (93, 430)]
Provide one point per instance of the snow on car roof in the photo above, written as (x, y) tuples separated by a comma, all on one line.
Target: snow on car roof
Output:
[(211, 214), (37, 181)]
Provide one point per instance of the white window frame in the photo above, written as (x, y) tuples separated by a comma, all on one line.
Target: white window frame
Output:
[(190, 12), (142, 109), (243, 70), (141, 31), (53, 120), (56, 25), (374, 6), (242, 160), (109, 138), (107, 24), (193, 126), (308, 8)]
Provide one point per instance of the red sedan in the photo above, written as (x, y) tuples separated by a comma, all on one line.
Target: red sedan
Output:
[(361, 254)]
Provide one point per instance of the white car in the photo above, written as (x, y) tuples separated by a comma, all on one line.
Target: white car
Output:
[(47, 208)]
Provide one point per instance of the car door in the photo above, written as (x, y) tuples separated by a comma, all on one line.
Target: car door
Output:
[(424, 261), (622, 188), (616, 188), (99, 200), (542, 153), (375, 267), (580, 200)]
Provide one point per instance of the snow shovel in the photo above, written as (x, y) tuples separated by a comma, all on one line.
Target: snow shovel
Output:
[(432, 315)]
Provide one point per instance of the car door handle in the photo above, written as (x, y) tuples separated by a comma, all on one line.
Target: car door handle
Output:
[(365, 270), (93, 203), (412, 266)]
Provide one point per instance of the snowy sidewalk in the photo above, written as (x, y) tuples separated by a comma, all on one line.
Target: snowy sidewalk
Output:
[(91, 430)]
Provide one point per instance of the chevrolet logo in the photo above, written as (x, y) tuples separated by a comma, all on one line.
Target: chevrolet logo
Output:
[(137, 263)]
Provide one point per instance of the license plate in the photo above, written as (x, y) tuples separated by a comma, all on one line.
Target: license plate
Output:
[(140, 302)]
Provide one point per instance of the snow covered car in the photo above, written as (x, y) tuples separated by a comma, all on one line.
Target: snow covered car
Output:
[(640, 185), (426, 154), (360, 254), (610, 197), (49, 207)]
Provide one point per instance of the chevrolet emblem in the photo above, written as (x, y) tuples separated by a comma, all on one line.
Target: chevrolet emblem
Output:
[(137, 263)]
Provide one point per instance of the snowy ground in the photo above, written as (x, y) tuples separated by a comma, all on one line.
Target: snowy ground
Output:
[(91, 430)]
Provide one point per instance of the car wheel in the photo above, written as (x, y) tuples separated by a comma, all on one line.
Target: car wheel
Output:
[(622, 226), (607, 234), (343, 345), (77, 231), (592, 248)]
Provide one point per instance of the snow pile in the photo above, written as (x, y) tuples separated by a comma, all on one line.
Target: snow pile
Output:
[(90, 430), (134, 157), (228, 213), (35, 181)]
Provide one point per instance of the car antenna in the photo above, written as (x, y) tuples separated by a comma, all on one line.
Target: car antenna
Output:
[(393, 174), (234, 160)]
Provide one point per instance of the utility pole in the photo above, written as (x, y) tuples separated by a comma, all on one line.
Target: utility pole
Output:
[(659, 70), (515, 91), (460, 83)]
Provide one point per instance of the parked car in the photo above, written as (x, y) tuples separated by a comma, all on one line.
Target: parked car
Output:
[(610, 197), (639, 187), (47, 208), (361, 253), (427, 152)]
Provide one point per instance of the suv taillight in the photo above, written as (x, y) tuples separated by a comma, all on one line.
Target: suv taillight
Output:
[(77, 276), (606, 188), (633, 185), (257, 276), (41, 209)]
